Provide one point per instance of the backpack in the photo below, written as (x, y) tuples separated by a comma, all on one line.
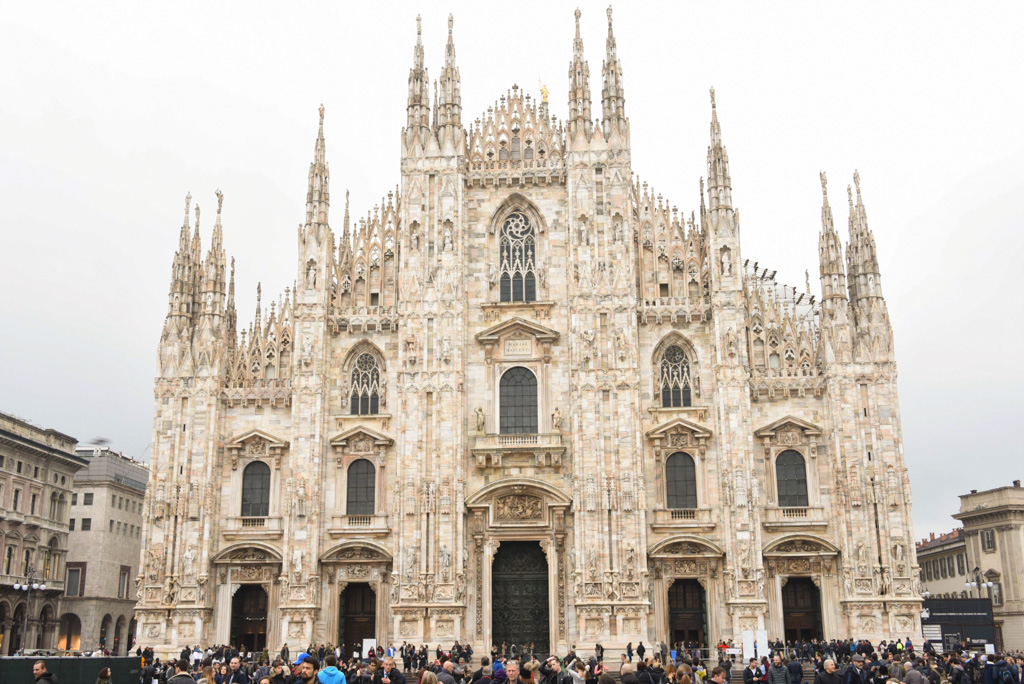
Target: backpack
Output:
[(1006, 675), (976, 674)]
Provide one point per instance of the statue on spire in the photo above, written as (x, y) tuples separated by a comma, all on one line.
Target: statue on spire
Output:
[(220, 201), (321, 113), (712, 97)]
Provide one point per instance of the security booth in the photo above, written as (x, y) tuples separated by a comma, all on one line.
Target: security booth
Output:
[(949, 622)]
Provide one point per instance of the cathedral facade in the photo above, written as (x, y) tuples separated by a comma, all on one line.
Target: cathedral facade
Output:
[(525, 400)]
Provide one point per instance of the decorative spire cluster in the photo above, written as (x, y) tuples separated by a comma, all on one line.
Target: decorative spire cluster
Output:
[(318, 193), (830, 256), (719, 181), (612, 94), (579, 88)]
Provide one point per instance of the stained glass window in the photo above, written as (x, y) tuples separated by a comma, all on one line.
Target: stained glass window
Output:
[(365, 397), (791, 476), (674, 379), (681, 481), (518, 249), (518, 401)]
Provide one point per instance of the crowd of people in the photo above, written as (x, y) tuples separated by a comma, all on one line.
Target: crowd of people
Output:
[(800, 662)]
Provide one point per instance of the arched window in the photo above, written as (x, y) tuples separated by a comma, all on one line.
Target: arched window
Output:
[(362, 482), (674, 378), (518, 401), (791, 476), (256, 490), (518, 247), (681, 481), (365, 386)]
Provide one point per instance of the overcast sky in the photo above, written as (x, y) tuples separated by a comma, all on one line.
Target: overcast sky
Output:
[(111, 112)]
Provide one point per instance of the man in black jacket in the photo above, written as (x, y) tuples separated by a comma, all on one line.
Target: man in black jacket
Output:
[(553, 672), (796, 671), (388, 674), (484, 663), (181, 675), (751, 675), (828, 674)]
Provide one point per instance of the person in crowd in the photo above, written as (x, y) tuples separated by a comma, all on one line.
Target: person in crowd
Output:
[(796, 671), (718, 675), (628, 674), (827, 674), (386, 674), (179, 670), (778, 673), (41, 674)]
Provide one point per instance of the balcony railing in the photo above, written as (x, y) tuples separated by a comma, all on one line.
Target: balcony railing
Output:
[(795, 516), (541, 449), (253, 527), (358, 525), (682, 518)]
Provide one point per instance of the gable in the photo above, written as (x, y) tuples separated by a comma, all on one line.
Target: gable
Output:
[(520, 326), (789, 423)]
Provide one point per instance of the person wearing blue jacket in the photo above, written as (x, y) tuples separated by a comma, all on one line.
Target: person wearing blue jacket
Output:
[(331, 674)]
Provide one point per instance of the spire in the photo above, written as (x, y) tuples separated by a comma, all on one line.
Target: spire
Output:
[(217, 241), (345, 244), (861, 256), (719, 182), (318, 191), (182, 268), (579, 87), (449, 102), (418, 109), (830, 254), (259, 298), (232, 315), (613, 97)]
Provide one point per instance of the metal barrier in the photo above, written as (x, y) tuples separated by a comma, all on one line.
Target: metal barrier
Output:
[(71, 670)]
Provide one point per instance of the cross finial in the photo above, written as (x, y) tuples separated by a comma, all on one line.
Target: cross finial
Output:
[(712, 97), (321, 110)]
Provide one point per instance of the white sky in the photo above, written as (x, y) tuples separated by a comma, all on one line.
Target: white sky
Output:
[(110, 112)]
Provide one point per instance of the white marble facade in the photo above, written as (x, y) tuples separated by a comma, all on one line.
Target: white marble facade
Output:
[(629, 298)]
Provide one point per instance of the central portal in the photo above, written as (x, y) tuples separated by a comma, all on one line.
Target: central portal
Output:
[(358, 617), (249, 617), (801, 609), (519, 597)]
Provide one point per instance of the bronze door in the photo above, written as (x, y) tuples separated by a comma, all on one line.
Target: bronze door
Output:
[(801, 609), (358, 617), (249, 618), (687, 612), (519, 596)]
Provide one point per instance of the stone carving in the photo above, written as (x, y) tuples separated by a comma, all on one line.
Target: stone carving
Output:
[(556, 420), (518, 507), (446, 562), (480, 419)]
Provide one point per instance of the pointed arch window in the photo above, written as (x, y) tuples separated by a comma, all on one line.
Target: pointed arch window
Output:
[(518, 251), (680, 481), (674, 378), (256, 490), (791, 478), (365, 397), (362, 484), (518, 401)]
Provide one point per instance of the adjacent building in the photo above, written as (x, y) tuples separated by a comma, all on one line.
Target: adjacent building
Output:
[(37, 468), (103, 553), (944, 565), (993, 533), (526, 399)]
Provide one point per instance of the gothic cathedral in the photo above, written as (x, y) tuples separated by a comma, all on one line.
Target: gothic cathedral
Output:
[(525, 400)]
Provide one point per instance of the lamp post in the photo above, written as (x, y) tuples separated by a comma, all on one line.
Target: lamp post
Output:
[(28, 586), (976, 574)]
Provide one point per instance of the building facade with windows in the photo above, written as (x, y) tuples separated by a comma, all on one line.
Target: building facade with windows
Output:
[(104, 548), (993, 535), (37, 467), (944, 565), (524, 399)]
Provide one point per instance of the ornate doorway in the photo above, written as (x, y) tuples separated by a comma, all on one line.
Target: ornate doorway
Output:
[(249, 617), (519, 592), (687, 612), (358, 618), (801, 609)]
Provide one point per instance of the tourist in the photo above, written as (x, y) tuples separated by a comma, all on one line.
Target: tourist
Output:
[(778, 673), (330, 674), (828, 674), (629, 651), (180, 670), (796, 671)]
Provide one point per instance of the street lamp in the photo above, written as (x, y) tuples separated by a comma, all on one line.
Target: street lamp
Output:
[(28, 586), (976, 574)]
